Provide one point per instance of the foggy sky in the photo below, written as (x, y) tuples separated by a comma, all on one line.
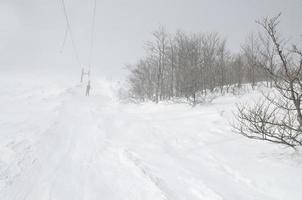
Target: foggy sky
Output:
[(32, 31)]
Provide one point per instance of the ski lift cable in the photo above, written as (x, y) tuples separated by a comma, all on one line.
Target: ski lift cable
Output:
[(68, 30), (64, 41), (92, 35)]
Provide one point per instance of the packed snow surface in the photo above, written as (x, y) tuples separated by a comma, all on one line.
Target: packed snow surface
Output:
[(57, 144)]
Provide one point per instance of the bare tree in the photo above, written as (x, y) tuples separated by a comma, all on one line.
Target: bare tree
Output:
[(222, 54), (278, 117), (172, 62), (267, 56), (238, 69), (159, 48), (250, 50)]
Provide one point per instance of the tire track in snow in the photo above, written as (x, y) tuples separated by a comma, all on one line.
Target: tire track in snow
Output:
[(147, 173)]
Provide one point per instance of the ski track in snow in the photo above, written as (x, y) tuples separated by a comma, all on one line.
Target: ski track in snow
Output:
[(83, 148)]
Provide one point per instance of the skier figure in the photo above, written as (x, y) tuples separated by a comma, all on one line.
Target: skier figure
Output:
[(88, 88)]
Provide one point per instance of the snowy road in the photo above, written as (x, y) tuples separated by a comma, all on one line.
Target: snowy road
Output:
[(67, 146)]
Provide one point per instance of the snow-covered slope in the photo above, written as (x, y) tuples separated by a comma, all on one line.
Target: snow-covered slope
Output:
[(57, 144)]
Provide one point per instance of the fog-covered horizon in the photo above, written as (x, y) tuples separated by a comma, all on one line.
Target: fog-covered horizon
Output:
[(32, 31)]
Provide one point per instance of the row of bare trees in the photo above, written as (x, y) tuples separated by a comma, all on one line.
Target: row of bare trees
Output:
[(195, 65), (192, 66)]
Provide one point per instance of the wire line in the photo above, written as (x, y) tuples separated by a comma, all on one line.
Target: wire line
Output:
[(70, 33), (92, 35)]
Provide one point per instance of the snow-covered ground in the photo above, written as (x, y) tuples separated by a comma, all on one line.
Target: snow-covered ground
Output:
[(57, 144)]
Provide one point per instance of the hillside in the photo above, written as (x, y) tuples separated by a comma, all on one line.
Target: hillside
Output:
[(57, 144)]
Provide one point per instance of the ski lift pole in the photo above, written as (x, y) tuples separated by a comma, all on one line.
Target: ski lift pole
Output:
[(82, 75)]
